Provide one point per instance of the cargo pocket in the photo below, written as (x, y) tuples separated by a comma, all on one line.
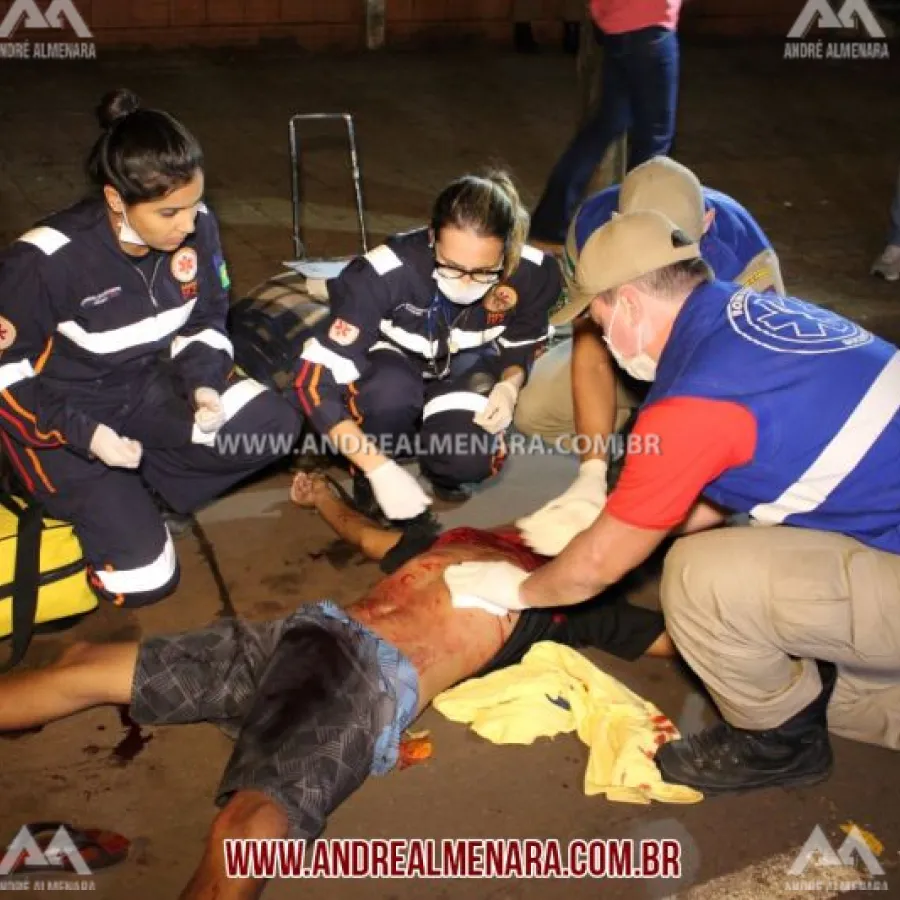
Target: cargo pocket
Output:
[(875, 585), (811, 608)]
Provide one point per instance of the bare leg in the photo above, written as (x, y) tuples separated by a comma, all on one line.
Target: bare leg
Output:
[(249, 815), (85, 675), (662, 646), (593, 389), (313, 492)]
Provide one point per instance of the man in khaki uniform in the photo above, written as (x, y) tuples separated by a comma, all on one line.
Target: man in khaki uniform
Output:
[(764, 405), (577, 396)]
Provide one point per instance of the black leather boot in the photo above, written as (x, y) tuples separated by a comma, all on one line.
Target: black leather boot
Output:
[(179, 524), (724, 759), (450, 493)]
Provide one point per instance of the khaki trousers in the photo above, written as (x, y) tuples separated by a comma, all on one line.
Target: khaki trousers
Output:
[(751, 609), (545, 407)]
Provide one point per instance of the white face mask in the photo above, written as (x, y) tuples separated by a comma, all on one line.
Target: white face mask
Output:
[(457, 291), (641, 366), (127, 235)]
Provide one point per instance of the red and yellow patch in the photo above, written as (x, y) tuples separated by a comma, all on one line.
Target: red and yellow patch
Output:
[(501, 300), (7, 333)]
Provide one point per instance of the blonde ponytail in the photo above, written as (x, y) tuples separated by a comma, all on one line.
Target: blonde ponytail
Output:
[(521, 220)]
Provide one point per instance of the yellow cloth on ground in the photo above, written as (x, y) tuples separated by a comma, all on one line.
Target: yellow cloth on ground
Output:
[(621, 729)]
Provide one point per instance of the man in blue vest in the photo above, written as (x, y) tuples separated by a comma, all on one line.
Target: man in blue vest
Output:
[(576, 389), (764, 405)]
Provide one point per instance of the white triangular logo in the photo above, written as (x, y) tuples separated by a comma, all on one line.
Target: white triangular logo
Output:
[(58, 13), (852, 14), (854, 846), (61, 847)]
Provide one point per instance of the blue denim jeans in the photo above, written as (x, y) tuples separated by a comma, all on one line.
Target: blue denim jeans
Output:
[(639, 96), (894, 236)]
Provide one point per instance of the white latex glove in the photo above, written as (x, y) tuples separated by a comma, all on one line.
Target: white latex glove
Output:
[(491, 586), (549, 530), (210, 414), (498, 414), (114, 450), (397, 492)]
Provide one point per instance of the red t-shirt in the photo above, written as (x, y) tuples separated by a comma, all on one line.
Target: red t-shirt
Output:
[(619, 16), (685, 443)]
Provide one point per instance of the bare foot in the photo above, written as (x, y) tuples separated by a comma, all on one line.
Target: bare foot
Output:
[(307, 488)]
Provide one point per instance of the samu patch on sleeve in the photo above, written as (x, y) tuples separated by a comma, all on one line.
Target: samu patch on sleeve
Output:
[(7, 333), (343, 333), (222, 269)]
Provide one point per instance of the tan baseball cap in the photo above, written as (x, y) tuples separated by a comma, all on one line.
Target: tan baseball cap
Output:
[(669, 187), (627, 247)]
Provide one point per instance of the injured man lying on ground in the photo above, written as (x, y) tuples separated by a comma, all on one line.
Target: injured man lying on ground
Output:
[(317, 701)]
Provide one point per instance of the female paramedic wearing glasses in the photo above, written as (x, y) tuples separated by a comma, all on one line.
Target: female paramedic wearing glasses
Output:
[(430, 339), (115, 369)]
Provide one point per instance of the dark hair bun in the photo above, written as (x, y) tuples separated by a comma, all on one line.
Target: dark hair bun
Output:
[(115, 106)]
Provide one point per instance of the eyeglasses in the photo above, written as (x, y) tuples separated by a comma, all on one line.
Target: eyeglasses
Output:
[(479, 276)]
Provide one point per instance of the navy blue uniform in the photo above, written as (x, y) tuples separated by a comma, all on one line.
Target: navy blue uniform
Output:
[(401, 360), (92, 335)]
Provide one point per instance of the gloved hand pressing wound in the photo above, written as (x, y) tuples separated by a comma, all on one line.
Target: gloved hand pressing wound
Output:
[(210, 414), (489, 586), (549, 530), (398, 494), (498, 414), (114, 450)]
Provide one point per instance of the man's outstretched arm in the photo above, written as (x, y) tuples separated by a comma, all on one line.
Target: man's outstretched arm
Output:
[(313, 491)]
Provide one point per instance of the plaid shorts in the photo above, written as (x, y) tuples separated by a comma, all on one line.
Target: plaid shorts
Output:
[(315, 701)]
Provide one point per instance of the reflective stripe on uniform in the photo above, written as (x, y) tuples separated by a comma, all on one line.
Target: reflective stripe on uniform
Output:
[(408, 339), (384, 345), (12, 373), (383, 259), (533, 254), (233, 401), (150, 577), (416, 343), (454, 402), (208, 336), (856, 437), (505, 343), (466, 340), (342, 369), (147, 331), (44, 238)]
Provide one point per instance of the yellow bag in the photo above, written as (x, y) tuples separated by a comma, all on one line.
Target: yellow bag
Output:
[(42, 574)]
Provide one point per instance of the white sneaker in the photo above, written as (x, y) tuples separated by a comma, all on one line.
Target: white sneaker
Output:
[(888, 264)]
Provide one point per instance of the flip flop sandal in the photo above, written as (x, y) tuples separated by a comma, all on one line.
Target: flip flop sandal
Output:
[(99, 849)]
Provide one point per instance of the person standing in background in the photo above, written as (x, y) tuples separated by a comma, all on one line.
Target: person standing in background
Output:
[(639, 97), (888, 264)]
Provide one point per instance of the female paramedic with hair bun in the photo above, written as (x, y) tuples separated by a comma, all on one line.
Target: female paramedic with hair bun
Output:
[(430, 339), (116, 374)]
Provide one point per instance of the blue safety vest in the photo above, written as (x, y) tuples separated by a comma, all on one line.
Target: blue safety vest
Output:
[(732, 242), (825, 394)]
